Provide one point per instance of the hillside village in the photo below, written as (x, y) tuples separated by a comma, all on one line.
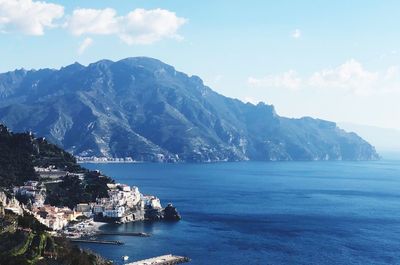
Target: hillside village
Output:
[(46, 197), (123, 203)]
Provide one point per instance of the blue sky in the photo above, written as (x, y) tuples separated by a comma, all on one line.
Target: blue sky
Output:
[(336, 60)]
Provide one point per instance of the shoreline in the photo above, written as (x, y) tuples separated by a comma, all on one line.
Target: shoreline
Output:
[(224, 161), (98, 225), (91, 230), (108, 162), (84, 229)]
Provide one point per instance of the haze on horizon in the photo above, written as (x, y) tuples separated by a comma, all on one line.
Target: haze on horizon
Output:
[(332, 60)]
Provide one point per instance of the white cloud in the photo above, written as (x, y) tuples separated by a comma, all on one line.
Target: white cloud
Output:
[(147, 26), (93, 21), (392, 73), (137, 27), (296, 34), (27, 16), (350, 77), (353, 77), (289, 80), (84, 45)]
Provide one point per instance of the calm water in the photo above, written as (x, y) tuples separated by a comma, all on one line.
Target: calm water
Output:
[(267, 213)]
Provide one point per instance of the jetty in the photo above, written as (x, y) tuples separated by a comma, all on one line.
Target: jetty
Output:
[(95, 241), (140, 234), (162, 260)]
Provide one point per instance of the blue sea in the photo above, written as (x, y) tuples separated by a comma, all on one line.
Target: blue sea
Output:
[(266, 212)]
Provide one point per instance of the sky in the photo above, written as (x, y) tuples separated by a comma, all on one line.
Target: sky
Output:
[(334, 60)]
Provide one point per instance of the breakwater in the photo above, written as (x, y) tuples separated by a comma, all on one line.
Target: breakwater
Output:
[(96, 241), (162, 260), (140, 234)]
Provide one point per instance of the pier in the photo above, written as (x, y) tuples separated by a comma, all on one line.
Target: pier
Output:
[(162, 260), (140, 234), (95, 241)]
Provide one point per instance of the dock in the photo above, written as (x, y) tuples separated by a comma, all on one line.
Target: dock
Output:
[(95, 241), (140, 234), (162, 260)]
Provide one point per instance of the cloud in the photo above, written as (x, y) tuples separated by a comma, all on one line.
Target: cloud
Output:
[(93, 21), (289, 80), (27, 16), (353, 77), (137, 27), (84, 45), (147, 26), (296, 34), (349, 77)]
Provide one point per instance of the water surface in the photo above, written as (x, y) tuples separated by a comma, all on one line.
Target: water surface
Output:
[(267, 213)]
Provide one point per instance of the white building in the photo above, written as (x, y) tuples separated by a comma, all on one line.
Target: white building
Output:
[(151, 202), (114, 212), (121, 198), (84, 209)]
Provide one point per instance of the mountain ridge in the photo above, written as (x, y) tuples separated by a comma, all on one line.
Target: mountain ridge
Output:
[(142, 108), (384, 139)]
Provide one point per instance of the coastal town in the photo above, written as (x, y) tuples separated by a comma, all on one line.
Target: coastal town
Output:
[(50, 205), (123, 204)]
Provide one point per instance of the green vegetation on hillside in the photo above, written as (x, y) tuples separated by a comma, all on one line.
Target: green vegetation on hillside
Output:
[(24, 240), (21, 152), (51, 155), (28, 244), (73, 190), (16, 158)]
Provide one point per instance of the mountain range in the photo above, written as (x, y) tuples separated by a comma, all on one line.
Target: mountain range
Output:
[(144, 109)]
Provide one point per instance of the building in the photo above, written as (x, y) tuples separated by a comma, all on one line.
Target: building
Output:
[(84, 209), (50, 172), (122, 200), (54, 217), (33, 191), (151, 202), (114, 212)]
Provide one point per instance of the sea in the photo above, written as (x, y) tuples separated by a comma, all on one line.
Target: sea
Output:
[(265, 212)]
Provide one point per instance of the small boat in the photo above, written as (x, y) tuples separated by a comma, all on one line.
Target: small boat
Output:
[(125, 258)]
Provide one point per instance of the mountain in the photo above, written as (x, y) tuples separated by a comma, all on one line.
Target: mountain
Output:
[(386, 140), (21, 152), (145, 109)]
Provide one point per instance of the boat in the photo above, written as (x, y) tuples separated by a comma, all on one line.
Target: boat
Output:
[(125, 258)]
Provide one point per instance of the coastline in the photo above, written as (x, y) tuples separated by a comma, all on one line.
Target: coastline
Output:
[(84, 229), (108, 162), (97, 226)]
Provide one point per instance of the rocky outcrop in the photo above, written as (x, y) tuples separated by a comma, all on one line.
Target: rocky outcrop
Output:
[(153, 214), (10, 204), (171, 213)]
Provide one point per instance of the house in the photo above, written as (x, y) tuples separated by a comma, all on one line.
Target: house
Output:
[(84, 209)]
